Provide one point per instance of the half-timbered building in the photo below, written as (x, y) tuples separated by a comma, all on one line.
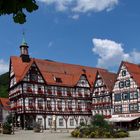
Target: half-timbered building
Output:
[(49, 92), (126, 95), (102, 93)]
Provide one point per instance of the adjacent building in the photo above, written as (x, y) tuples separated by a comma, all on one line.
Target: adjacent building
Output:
[(126, 96), (52, 93), (4, 109), (102, 93)]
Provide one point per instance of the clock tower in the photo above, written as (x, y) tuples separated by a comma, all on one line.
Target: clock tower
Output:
[(24, 51)]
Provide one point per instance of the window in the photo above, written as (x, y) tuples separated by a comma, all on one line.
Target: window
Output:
[(121, 84), (40, 103), (134, 95), (50, 121), (127, 83), (40, 121), (70, 104), (33, 74), (118, 109), (125, 96), (58, 80), (30, 102), (123, 72), (133, 107), (117, 97), (71, 122), (61, 122)]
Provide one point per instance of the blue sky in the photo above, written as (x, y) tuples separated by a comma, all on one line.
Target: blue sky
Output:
[(88, 32)]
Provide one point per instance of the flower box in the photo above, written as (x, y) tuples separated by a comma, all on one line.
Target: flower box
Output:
[(40, 91), (59, 93), (29, 90), (80, 94), (60, 107), (40, 107), (69, 94)]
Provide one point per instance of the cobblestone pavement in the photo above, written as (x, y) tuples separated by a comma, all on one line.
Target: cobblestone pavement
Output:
[(46, 135)]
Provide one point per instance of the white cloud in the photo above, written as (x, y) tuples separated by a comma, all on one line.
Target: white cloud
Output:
[(82, 6), (75, 17), (112, 53), (4, 67), (94, 5)]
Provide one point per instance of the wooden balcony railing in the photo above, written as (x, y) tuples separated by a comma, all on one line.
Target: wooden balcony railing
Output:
[(29, 90)]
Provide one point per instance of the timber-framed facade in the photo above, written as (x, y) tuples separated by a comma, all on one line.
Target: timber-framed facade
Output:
[(50, 92)]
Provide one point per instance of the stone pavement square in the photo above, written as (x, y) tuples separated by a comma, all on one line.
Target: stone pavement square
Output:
[(46, 135)]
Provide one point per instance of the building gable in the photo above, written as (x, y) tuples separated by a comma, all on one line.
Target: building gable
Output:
[(34, 75), (124, 80), (83, 82)]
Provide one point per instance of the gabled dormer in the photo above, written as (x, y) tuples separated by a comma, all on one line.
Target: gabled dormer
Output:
[(83, 82), (33, 75)]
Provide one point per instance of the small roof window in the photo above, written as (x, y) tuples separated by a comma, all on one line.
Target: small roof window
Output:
[(57, 79)]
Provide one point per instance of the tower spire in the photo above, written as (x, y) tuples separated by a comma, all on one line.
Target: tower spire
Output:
[(23, 39), (24, 50)]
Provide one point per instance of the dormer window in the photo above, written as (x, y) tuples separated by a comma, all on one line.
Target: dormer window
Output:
[(123, 73), (33, 74), (58, 80)]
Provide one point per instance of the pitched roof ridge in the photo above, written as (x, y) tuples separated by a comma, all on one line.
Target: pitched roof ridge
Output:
[(63, 63)]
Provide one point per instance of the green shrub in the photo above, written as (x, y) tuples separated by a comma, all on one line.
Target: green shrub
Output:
[(107, 135), (121, 134), (92, 135), (98, 128), (7, 128), (85, 130), (75, 133)]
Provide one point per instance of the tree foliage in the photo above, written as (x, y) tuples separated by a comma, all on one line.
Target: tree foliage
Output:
[(17, 8), (4, 80)]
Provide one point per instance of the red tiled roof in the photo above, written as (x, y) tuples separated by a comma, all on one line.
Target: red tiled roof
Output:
[(109, 79), (69, 73), (134, 70), (5, 103)]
